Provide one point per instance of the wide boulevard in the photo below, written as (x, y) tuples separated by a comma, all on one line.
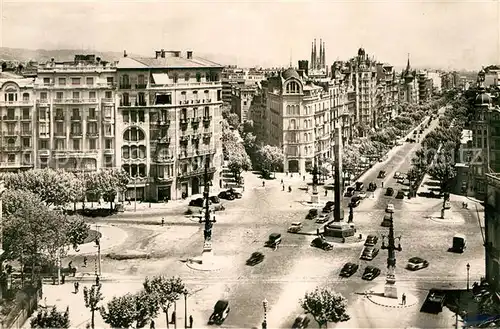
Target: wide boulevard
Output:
[(296, 267)]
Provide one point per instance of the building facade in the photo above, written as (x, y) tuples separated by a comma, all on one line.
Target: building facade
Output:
[(492, 230), (168, 123), (17, 104), (242, 96)]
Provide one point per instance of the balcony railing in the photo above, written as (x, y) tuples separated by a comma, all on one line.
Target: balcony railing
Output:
[(16, 103), (11, 133), (125, 86), (43, 101), (59, 118), (44, 135), (76, 118), (92, 134), (26, 132), (10, 118), (44, 153), (25, 118), (122, 103), (164, 159), (13, 148), (164, 123), (140, 86), (92, 118), (107, 100), (60, 134), (76, 134)]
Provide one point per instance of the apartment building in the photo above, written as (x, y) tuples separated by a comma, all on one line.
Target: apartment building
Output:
[(424, 87), (17, 103), (298, 119), (168, 123), (242, 96), (75, 114), (492, 230)]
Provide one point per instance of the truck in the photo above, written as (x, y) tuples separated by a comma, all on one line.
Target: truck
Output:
[(459, 243)]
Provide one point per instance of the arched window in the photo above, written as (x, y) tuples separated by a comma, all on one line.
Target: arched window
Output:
[(26, 97), (198, 77), (142, 152), (306, 138), (125, 79), (11, 141), (133, 134), (125, 152), (186, 76), (292, 124), (288, 112)]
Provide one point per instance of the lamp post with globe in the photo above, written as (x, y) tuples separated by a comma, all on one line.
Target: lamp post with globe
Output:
[(264, 304)]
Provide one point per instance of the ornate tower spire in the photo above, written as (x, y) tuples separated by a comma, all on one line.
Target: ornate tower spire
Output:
[(312, 55), (408, 67), (324, 55), (320, 59), (315, 55)]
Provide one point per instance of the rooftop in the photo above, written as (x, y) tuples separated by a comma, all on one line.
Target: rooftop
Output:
[(166, 59)]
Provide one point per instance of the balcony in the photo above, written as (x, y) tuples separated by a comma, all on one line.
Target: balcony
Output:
[(164, 179), (109, 152), (59, 117), (43, 135), (93, 134), (196, 172), (92, 118), (164, 159), (76, 134), (44, 153), (11, 148), (125, 86), (42, 102), (107, 100), (16, 103), (205, 151), (207, 135), (76, 118), (26, 118), (122, 103), (206, 121), (185, 154), (195, 122), (26, 132), (184, 139), (60, 134), (10, 118), (140, 86), (195, 138), (9, 133), (140, 103), (165, 123), (164, 140)]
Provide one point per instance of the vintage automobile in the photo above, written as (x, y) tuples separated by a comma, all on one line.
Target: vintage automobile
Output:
[(371, 272), (416, 263), (274, 240), (221, 310), (255, 258), (295, 227), (321, 244), (348, 270), (371, 240)]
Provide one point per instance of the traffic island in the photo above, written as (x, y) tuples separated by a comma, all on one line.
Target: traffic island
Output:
[(201, 264), (376, 296), (450, 217)]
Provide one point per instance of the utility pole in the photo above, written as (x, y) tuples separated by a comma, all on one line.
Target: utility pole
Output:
[(98, 245), (207, 233), (338, 213)]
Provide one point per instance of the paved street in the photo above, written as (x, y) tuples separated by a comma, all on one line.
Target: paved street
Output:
[(286, 274)]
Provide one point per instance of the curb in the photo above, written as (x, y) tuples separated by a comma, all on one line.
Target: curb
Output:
[(391, 306)]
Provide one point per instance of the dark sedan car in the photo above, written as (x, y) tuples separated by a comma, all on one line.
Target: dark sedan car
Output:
[(198, 202), (371, 240), (371, 272), (321, 243), (348, 270), (381, 174), (227, 195), (355, 201), (416, 263), (349, 192), (256, 258), (372, 187), (389, 191)]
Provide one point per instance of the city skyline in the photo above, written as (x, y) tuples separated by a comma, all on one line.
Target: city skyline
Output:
[(448, 35)]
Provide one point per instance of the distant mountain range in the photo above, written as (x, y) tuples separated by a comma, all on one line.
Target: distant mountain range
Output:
[(44, 55)]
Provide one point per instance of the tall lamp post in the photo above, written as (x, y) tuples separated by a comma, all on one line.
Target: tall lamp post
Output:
[(264, 304), (390, 282), (98, 246), (185, 293), (468, 268), (207, 233)]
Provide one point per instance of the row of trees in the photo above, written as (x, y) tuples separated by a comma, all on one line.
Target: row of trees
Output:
[(136, 310)]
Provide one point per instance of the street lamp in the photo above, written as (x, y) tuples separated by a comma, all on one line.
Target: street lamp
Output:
[(468, 268), (264, 323), (186, 293), (98, 246)]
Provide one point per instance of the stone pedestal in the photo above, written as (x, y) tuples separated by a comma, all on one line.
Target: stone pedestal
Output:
[(390, 290), (207, 255), (314, 198)]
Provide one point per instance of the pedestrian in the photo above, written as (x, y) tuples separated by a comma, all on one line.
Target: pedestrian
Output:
[(307, 189), (303, 178), (190, 321), (84, 261), (283, 187), (97, 280), (152, 324), (128, 201), (382, 184), (70, 264), (326, 193), (173, 318), (289, 189), (63, 279), (162, 221), (282, 182), (263, 184), (466, 206), (403, 299), (317, 231), (77, 286), (287, 174)]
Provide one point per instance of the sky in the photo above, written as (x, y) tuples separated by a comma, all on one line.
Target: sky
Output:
[(459, 34)]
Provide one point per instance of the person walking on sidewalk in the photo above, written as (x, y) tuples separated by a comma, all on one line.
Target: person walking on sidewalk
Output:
[(190, 321), (172, 321), (85, 261), (77, 286), (152, 324), (403, 299)]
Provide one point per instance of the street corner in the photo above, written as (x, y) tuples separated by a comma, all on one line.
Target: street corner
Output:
[(450, 217)]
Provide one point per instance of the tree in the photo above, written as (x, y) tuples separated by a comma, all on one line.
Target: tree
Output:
[(239, 161), (247, 127), (54, 187), (52, 319), (270, 159), (233, 120), (166, 291), (121, 312), (92, 298), (325, 306), (106, 184), (444, 172), (351, 158), (146, 306)]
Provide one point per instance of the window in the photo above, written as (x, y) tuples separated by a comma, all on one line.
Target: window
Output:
[(141, 99), (59, 95), (76, 128), (26, 114), (140, 80), (11, 97), (184, 114), (11, 128), (44, 145), (126, 100), (207, 94), (46, 81), (183, 96), (110, 80), (76, 144), (26, 97), (92, 144), (108, 94), (89, 81), (27, 158), (26, 128), (186, 76), (42, 114), (125, 80), (43, 128), (198, 77), (43, 96), (108, 144), (195, 95), (108, 161), (92, 113), (175, 77), (62, 81), (75, 81), (244, 102), (126, 116), (59, 128), (26, 142), (76, 113), (108, 111), (92, 127), (60, 144), (92, 95), (219, 95), (76, 95), (206, 111), (11, 158), (108, 130), (163, 99)]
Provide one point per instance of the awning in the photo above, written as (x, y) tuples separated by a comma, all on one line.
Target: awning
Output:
[(161, 78)]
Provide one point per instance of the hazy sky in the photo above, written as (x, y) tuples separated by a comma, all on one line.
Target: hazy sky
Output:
[(447, 34)]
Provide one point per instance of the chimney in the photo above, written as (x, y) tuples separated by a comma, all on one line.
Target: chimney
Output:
[(163, 53), (177, 53), (189, 54), (157, 53)]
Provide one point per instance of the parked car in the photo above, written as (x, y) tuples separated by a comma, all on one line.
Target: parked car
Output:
[(328, 206), (434, 301), (301, 322), (359, 186), (227, 195), (381, 174), (369, 253), (362, 195), (199, 202), (255, 258), (323, 218), (399, 142), (312, 214), (371, 240), (372, 187), (221, 310), (237, 194), (214, 199), (371, 272), (397, 175), (295, 227), (348, 270), (349, 192), (355, 201), (389, 191), (389, 208), (321, 243), (386, 222), (417, 263), (400, 195), (274, 240)]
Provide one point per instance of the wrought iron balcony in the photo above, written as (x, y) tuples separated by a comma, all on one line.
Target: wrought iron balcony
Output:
[(59, 117), (76, 118), (92, 134), (125, 86), (140, 86), (76, 134)]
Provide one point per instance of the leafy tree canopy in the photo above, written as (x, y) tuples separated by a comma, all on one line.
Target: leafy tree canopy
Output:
[(270, 157), (325, 306), (51, 319)]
